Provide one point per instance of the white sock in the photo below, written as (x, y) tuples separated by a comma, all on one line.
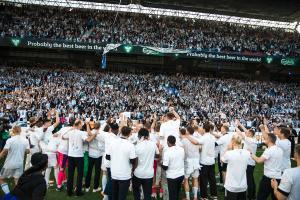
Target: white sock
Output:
[(187, 195), (47, 175), (5, 188), (195, 191), (105, 197), (56, 171), (104, 181)]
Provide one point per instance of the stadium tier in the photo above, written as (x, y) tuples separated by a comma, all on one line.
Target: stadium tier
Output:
[(149, 100)]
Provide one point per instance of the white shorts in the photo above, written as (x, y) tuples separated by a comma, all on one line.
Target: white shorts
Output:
[(194, 174), (52, 160), (11, 173)]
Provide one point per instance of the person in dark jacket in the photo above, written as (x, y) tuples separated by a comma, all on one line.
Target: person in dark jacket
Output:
[(32, 184)]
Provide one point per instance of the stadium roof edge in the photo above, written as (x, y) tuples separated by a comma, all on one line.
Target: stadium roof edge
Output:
[(135, 8)]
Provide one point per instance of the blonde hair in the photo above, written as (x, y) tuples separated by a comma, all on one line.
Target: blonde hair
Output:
[(16, 130), (237, 140)]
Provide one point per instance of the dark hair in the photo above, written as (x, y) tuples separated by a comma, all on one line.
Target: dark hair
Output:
[(272, 137), (252, 132), (147, 125), (182, 131), (170, 115), (125, 131), (226, 128), (286, 132), (106, 128), (171, 140), (211, 127), (143, 132), (190, 130), (46, 121), (72, 121), (39, 162), (206, 127), (157, 127)]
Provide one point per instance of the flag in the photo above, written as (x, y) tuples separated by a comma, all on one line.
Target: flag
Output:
[(103, 63)]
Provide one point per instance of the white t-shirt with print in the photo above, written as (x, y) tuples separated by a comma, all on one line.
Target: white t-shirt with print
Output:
[(76, 140)]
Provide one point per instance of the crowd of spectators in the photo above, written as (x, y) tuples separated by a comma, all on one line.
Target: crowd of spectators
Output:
[(93, 26), (90, 93)]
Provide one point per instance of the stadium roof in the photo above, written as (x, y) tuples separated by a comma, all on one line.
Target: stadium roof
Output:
[(168, 9), (281, 10)]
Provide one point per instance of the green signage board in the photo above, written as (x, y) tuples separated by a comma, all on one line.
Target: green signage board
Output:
[(145, 50)]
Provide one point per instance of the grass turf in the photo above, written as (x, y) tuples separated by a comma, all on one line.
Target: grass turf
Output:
[(52, 194)]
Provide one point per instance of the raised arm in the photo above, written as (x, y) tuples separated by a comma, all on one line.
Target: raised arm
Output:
[(56, 119), (172, 110), (241, 125)]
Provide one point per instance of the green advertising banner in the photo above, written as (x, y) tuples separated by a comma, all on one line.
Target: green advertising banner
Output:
[(145, 50)]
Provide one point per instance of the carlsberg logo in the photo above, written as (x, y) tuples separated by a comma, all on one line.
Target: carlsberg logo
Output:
[(16, 42)]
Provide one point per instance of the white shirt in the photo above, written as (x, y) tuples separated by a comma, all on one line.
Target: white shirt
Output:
[(236, 178), (168, 128), (285, 145), (63, 144), (173, 158), (109, 138), (272, 164), (51, 147), (35, 137), (250, 144), (290, 183), (76, 140), (145, 152), (121, 151), (25, 131), (16, 147), (207, 155), (95, 148), (223, 142), (191, 151), (48, 134)]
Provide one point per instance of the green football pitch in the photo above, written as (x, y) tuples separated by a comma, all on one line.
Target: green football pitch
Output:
[(52, 194)]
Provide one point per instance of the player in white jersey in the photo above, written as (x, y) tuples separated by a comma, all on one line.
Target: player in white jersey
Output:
[(49, 145), (146, 150), (191, 159), (113, 134), (250, 144), (223, 142), (290, 181), (96, 151), (236, 178), (272, 159), (285, 144), (62, 154), (27, 133), (207, 161), (14, 150), (170, 127)]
